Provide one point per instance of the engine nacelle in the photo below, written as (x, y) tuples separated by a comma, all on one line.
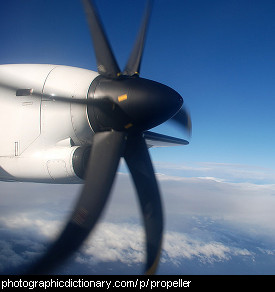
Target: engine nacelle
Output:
[(46, 135), (54, 165)]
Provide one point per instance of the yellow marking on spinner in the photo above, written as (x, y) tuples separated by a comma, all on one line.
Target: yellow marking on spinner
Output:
[(128, 126), (122, 97)]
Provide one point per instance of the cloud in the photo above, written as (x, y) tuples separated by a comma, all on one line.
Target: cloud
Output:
[(44, 228), (239, 203), (120, 242), (229, 172), (205, 216), (178, 246), (8, 256), (115, 242), (125, 243)]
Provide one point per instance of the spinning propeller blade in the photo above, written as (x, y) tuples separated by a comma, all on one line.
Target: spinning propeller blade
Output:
[(124, 107), (103, 162), (140, 165), (106, 62), (183, 119), (133, 65)]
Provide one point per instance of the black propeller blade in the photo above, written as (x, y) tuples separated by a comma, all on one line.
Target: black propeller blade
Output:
[(133, 65), (106, 151), (183, 119), (140, 165), (106, 62), (120, 108)]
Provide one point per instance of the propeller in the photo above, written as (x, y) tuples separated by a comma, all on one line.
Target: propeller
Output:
[(120, 108), (133, 65), (183, 119), (106, 62)]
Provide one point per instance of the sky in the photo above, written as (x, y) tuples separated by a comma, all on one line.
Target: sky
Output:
[(219, 191)]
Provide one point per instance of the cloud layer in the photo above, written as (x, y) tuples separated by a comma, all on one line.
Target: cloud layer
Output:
[(209, 220), (117, 243), (125, 243)]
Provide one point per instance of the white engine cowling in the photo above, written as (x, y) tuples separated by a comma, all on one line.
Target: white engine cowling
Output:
[(54, 165), (44, 139)]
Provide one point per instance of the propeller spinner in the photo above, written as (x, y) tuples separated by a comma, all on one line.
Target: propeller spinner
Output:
[(121, 106)]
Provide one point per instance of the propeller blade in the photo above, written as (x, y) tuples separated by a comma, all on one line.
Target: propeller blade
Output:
[(138, 160), (133, 65), (107, 148), (106, 62), (183, 119)]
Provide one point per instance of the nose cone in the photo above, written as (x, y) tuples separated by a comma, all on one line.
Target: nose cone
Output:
[(151, 103), (131, 103)]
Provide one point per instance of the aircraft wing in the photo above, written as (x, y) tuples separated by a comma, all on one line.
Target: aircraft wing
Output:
[(159, 140)]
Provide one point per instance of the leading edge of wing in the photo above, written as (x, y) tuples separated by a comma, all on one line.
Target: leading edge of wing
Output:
[(160, 140)]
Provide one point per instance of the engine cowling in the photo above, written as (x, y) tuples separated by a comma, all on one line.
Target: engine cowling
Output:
[(54, 165)]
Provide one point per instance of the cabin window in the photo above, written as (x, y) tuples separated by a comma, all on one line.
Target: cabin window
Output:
[(24, 92)]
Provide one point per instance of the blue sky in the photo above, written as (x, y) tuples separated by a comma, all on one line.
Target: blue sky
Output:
[(218, 54), (219, 190)]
